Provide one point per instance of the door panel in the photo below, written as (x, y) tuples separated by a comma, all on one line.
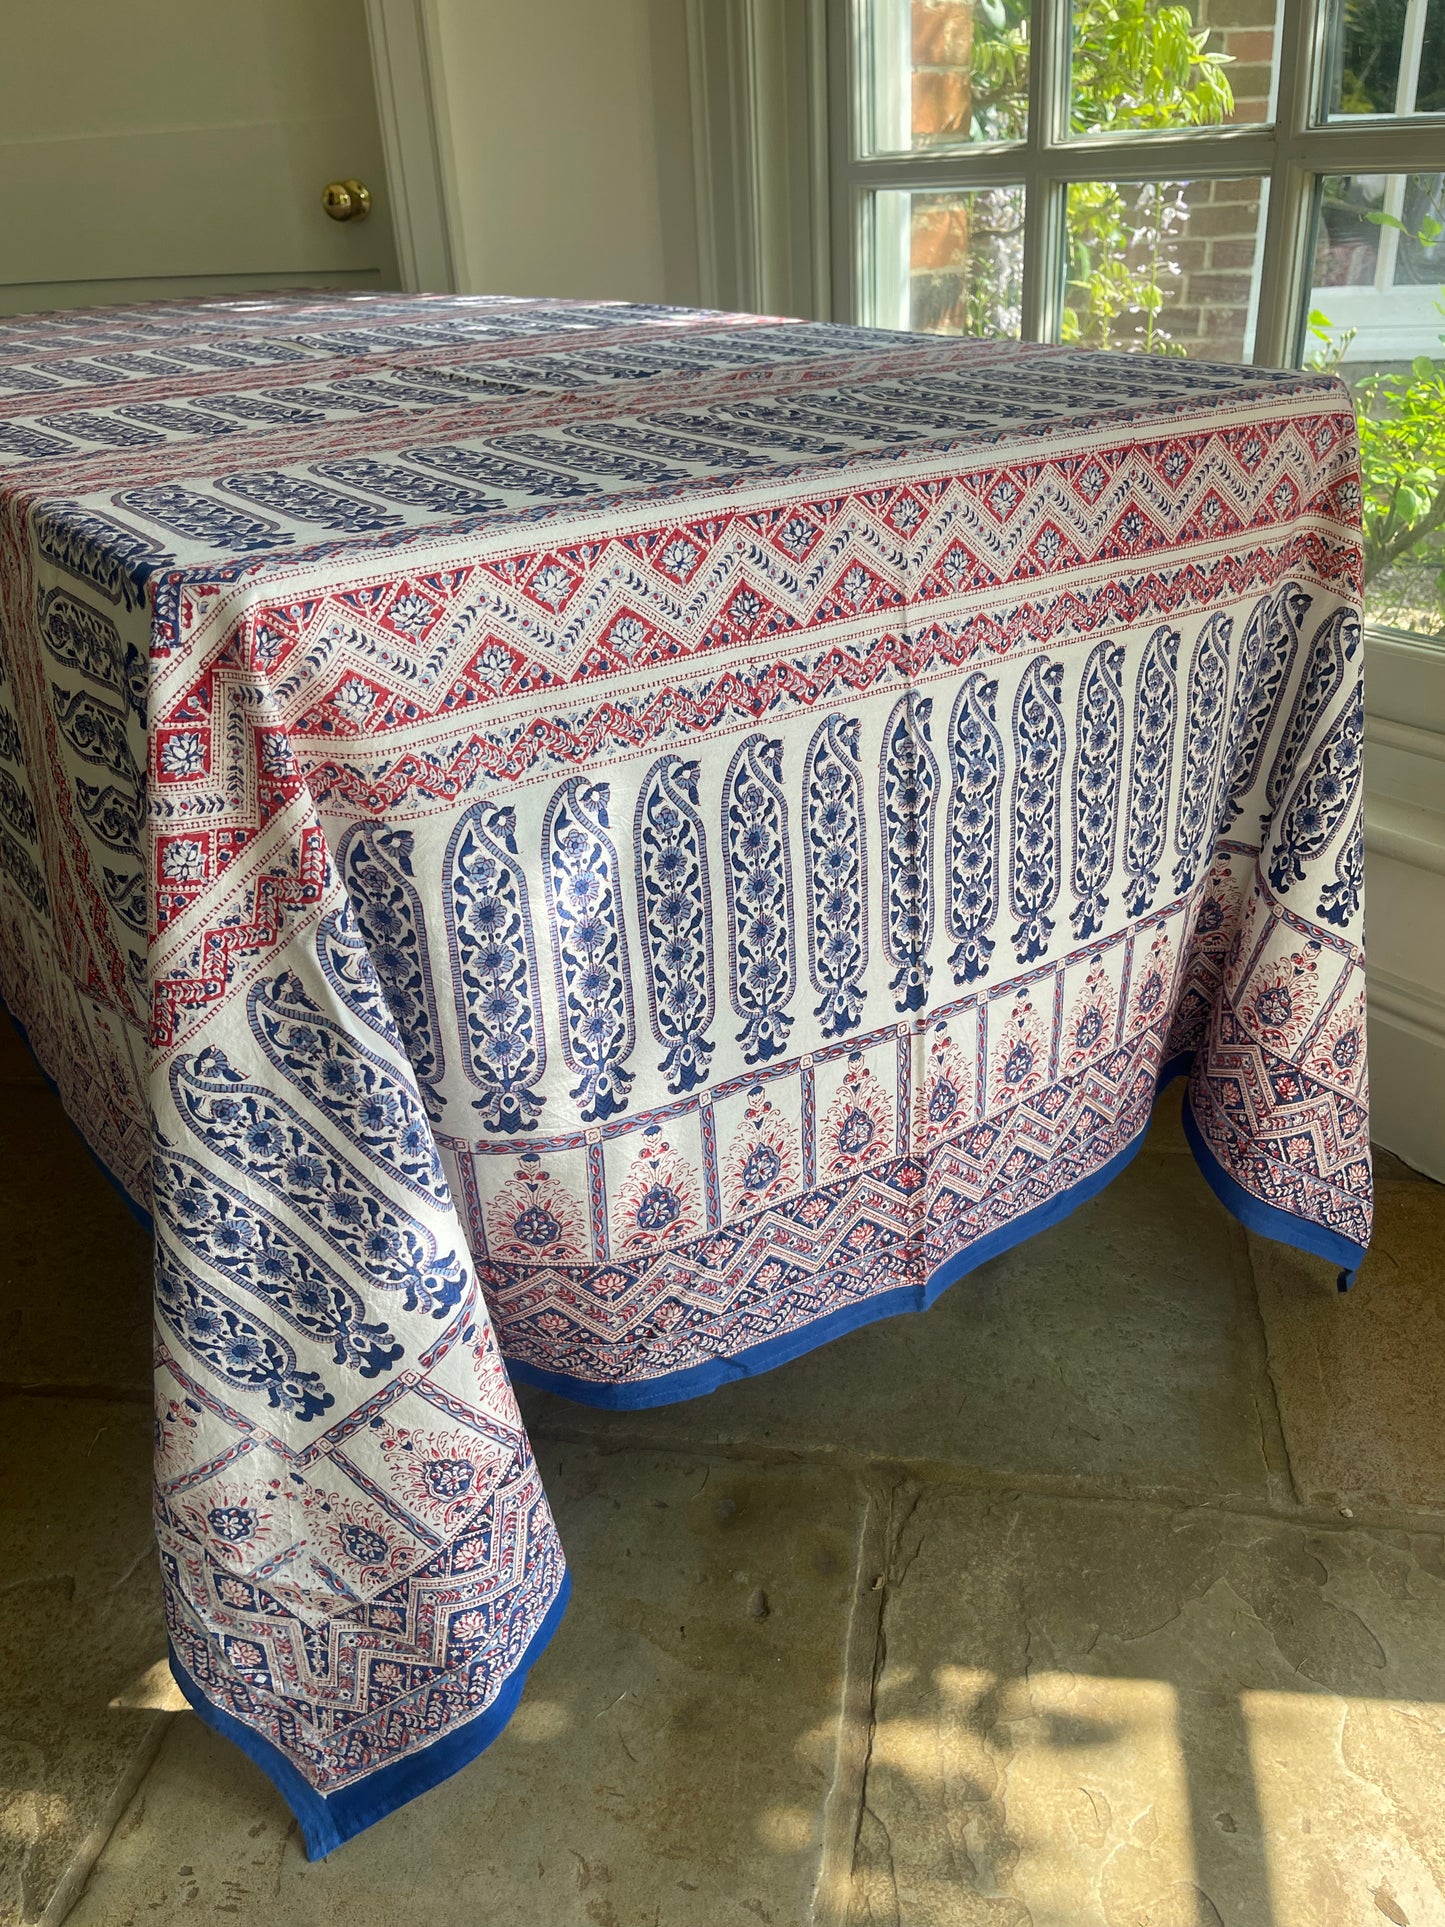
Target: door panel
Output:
[(171, 147)]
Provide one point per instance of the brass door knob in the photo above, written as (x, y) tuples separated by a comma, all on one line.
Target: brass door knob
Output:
[(346, 200)]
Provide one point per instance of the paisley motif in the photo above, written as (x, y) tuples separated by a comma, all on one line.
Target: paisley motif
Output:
[(945, 1097), (1339, 902), (1333, 645), (1096, 785), (760, 898), (1204, 710), (498, 998), (589, 946), (1267, 652), (1328, 788), (243, 1353), (835, 867), (376, 866), (1035, 865), (675, 907), (975, 752), (358, 1094), (907, 804), (1151, 767), (255, 1253), (272, 1148)]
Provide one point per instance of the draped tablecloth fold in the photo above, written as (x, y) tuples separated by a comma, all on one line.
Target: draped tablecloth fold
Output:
[(605, 845)]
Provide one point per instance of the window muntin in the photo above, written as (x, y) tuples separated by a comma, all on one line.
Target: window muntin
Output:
[(944, 76), (1377, 318), (1385, 57), (949, 263), (1274, 187)]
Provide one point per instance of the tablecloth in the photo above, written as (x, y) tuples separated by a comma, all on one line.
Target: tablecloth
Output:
[(604, 845)]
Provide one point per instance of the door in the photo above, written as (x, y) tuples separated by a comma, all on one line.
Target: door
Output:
[(159, 148)]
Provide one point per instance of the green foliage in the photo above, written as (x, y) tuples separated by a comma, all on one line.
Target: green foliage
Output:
[(1401, 419), (1142, 65), (1137, 65)]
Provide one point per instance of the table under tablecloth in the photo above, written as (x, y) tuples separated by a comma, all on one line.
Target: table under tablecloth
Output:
[(603, 846)]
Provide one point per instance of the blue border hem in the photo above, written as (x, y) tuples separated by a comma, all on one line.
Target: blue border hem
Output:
[(1267, 1219), (327, 1822), (672, 1387)]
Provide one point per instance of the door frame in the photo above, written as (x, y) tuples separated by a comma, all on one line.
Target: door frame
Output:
[(411, 106)]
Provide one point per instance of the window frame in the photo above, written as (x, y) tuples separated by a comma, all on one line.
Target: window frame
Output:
[(1292, 154)]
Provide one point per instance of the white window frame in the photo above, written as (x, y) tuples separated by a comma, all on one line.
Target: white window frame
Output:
[(1292, 154)]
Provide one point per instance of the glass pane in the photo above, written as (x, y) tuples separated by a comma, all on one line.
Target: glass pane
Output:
[(944, 73), (1164, 267), (1152, 64), (949, 264), (1376, 318), (1387, 57)]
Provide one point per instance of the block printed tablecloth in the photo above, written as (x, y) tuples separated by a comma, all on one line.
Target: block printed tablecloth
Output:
[(603, 846)]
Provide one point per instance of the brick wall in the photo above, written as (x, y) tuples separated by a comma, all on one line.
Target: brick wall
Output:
[(954, 238)]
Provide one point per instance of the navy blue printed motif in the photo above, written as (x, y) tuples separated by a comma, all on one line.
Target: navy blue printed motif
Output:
[(376, 867), (1334, 644), (715, 426), (125, 892), (1036, 861), (836, 863), (395, 484), (309, 502), (111, 556), (256, 1254), (242, 1353), (111, 814), (763, 973), (589, 941), (1322, 796), (203, 519), (1151, 767), (179, 421), (358, 1094), (1199, 786), (489, 924), (83, 639), (675, 908), (100, 428), (23, 872), (570, 455), (256, 408), (1096, 785), (272, 1147), (1340, 899), (647, 440), (474, 466), (94, 731), (975, 754), (16, 808), (1267, 652), (907, 804), (18, 440)]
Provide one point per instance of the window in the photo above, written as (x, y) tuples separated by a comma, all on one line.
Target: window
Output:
[(1229, 179)]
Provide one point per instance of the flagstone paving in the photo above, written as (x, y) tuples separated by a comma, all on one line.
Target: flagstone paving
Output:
[(1108, 1593)]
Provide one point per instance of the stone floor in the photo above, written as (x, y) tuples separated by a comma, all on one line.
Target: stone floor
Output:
[(1110, 1591)]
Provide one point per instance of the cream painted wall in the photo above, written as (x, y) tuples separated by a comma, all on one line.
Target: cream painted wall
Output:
[(568, 134)]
